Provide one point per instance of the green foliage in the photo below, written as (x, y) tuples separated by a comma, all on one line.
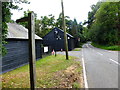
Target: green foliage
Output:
[(107, 47), (59, 23), (38, 27), (74, 28), (85, 33), (76, 85), (91, 15), (6, 17), (47, 24), (76, 49), (105, 26)]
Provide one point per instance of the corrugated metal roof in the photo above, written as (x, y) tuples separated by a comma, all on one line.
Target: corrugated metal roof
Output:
[(18, 32)]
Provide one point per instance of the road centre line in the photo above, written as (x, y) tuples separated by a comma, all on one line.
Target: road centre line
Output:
[(99, 53), (114, 61)]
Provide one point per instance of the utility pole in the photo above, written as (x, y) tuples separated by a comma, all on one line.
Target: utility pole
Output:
[(65, 36)]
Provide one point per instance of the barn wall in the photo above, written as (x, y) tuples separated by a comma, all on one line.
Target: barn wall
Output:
[(70, 44), (38, 49), (18, 54), (50, 40)]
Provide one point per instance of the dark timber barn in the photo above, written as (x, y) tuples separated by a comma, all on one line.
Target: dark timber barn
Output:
[(17, 47), (55, 39)]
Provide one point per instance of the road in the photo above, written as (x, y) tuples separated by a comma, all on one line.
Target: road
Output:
[(101, 67)]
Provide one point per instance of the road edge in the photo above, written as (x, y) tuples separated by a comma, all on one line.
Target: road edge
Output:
[(84, 72)]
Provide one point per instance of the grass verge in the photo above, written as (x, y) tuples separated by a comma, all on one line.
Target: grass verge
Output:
[(76, 49), (51, 71), (114, 48)]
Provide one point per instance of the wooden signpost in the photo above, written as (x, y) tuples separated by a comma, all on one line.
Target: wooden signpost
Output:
[(0, 44), (32, 56)]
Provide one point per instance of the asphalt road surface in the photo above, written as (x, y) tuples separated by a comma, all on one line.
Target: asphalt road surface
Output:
[(101, 67)]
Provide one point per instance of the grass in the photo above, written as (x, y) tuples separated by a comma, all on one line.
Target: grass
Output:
[(45, 71), (76, 85), (76, 49), (114, 48)]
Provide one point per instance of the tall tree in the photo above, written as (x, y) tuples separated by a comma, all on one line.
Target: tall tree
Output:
[(67, 21), (38, 27), (74, 28), (104, 29), (47, 24), (91, 14)]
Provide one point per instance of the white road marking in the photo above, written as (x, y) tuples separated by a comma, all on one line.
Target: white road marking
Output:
[(84, 72), (110, 51), (99, 53), (114, 61)]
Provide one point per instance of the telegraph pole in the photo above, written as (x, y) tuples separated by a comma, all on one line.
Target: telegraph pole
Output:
[(65, 36)]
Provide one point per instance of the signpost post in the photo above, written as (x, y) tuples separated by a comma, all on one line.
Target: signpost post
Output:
[(32, 56)]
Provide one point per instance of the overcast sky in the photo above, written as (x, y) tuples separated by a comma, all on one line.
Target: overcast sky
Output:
[(73, 8)]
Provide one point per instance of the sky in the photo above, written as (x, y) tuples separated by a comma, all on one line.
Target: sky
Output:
[(77, 9)]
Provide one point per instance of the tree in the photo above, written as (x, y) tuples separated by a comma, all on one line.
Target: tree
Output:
[(38, 27), (91, 14), (85, 34), (74, 28), (47, 24), (104, 29), (59, 23)]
